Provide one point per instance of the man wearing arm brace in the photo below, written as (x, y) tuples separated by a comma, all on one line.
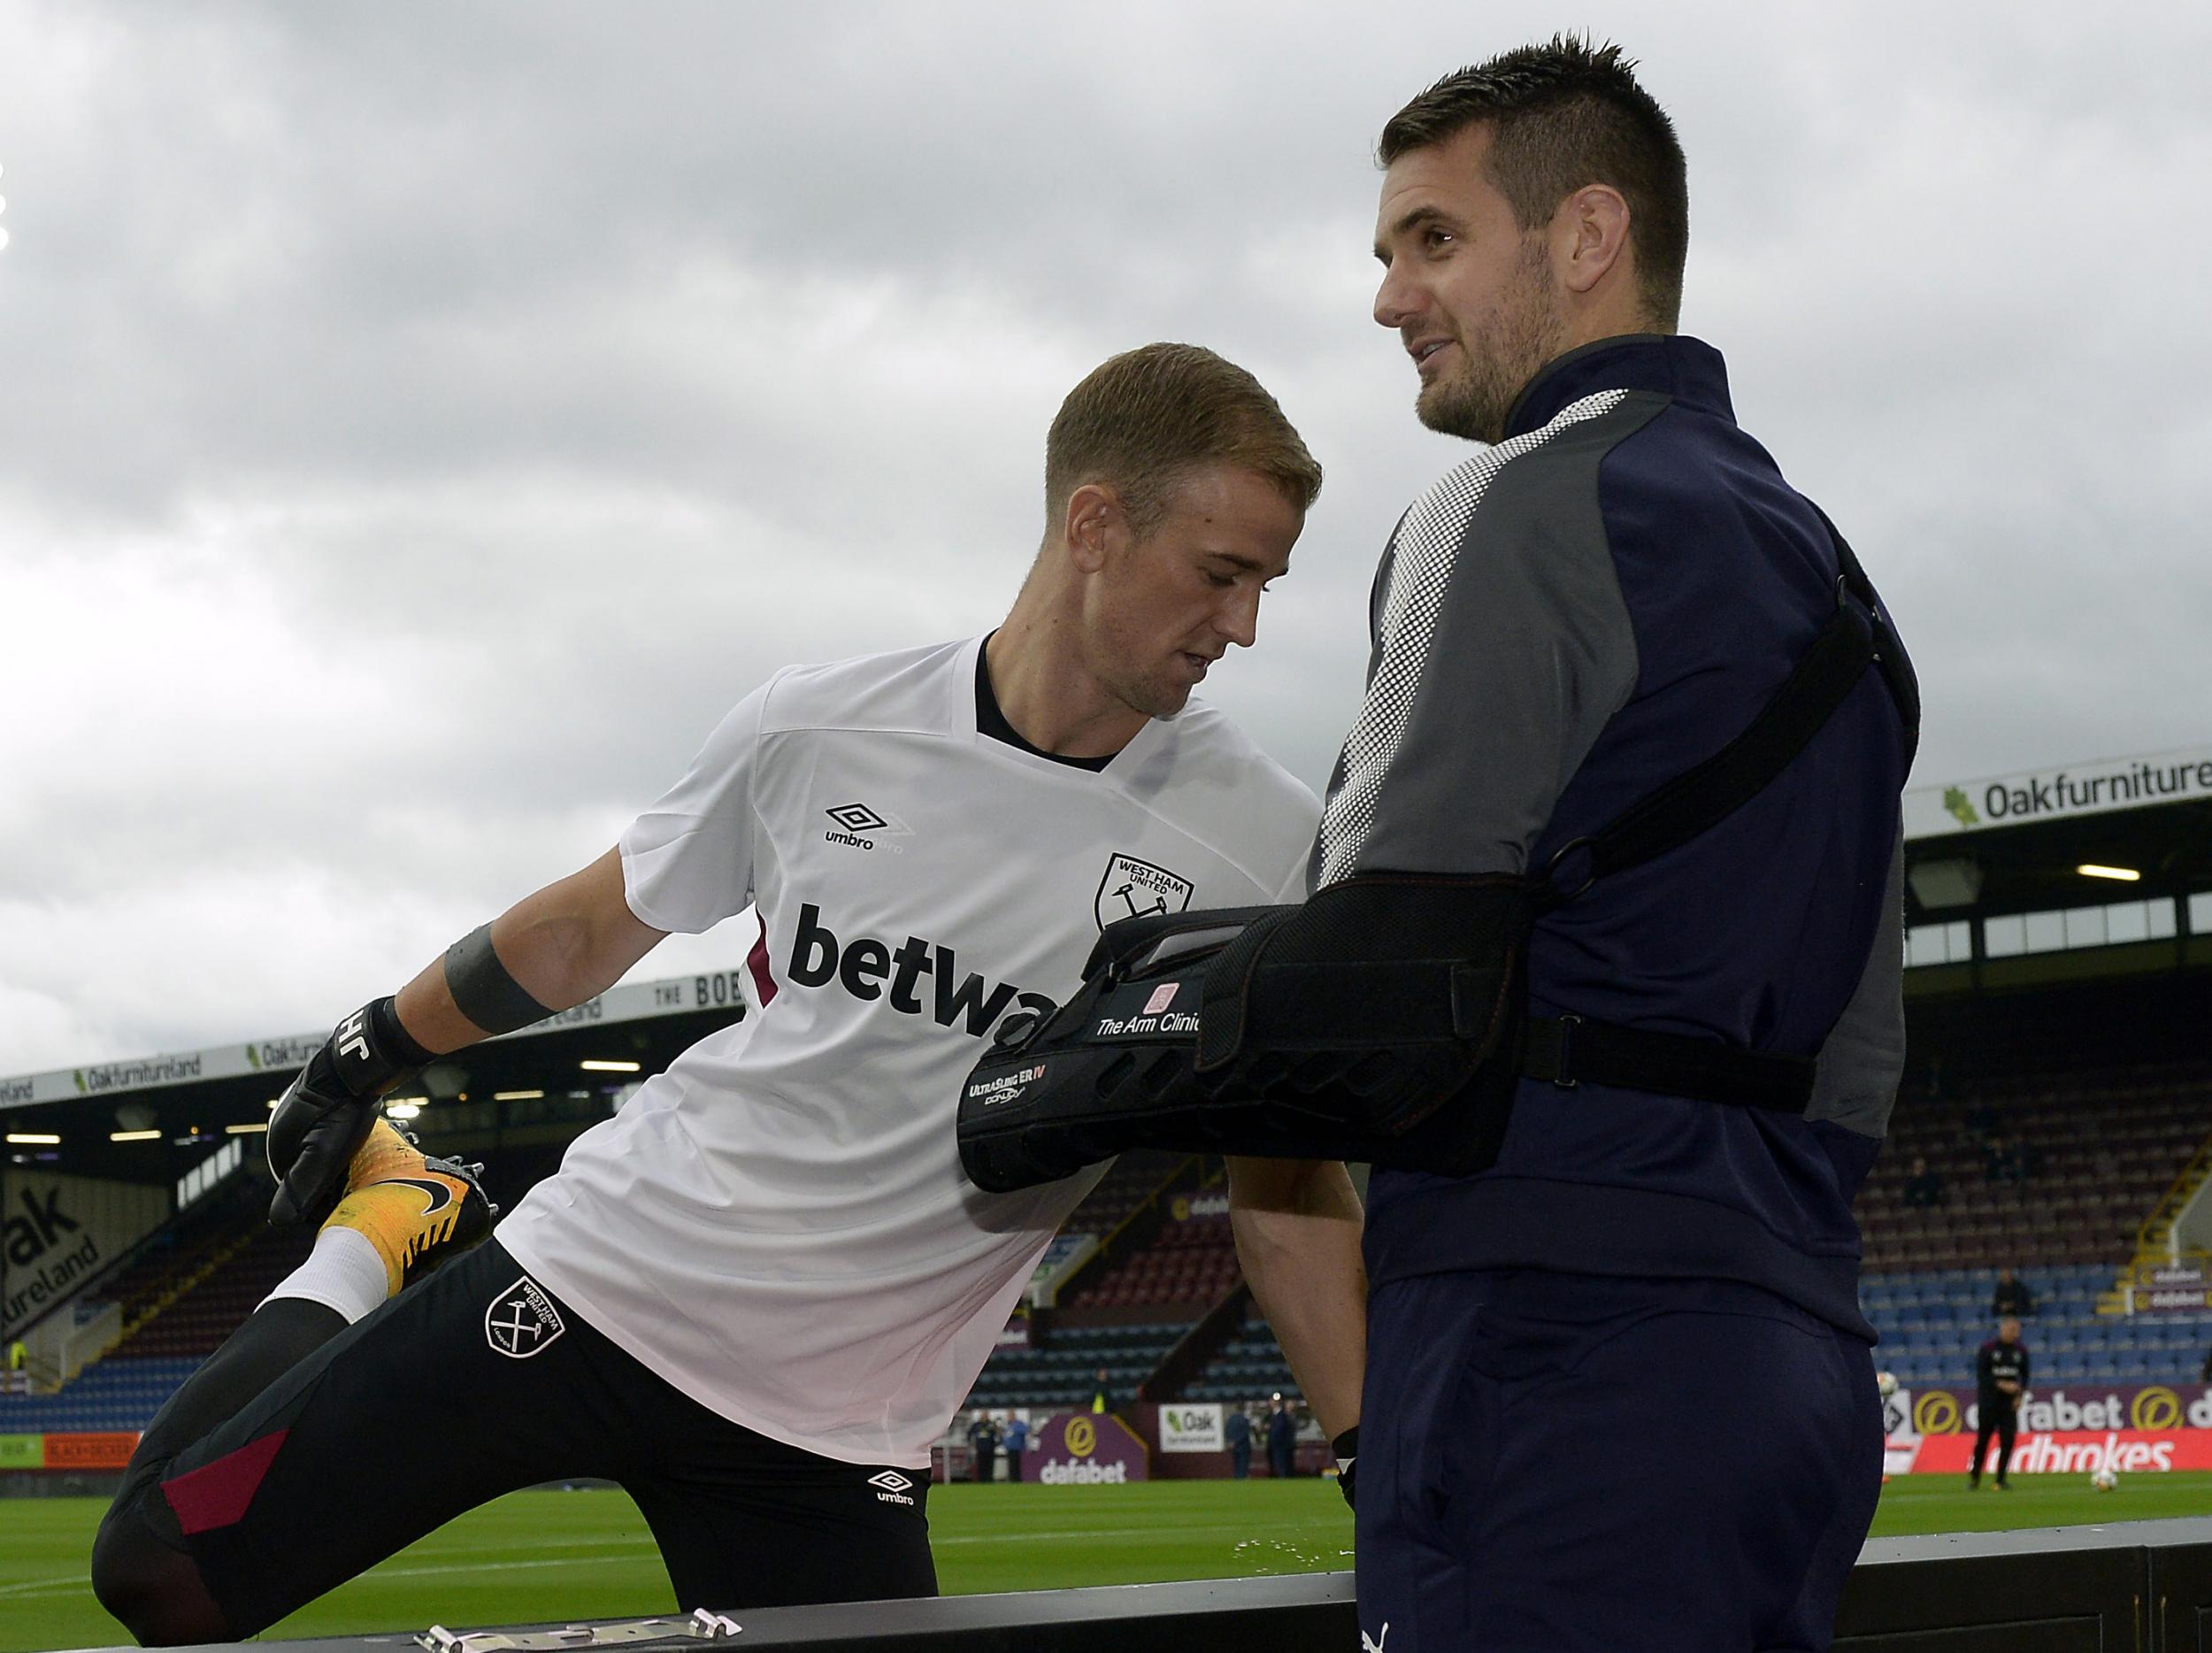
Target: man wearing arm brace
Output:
[(1618, 1375), (1602, 966)]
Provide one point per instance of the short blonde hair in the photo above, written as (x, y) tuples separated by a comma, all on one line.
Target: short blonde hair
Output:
[(1143, 420)]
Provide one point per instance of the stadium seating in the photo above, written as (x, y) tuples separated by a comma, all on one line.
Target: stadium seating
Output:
[(110, 1395), (1932, 1322), (1251, 1367), (1190, 1267), (192, 1285), (1064, 1371), (2051, 1175), (1132, 1180), (195, 1324), (2090, 1159), (2100, 1154)]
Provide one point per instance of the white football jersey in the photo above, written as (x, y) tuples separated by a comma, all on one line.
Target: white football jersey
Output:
[(779, 1224)]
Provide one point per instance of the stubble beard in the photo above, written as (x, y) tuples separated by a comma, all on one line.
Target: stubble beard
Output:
[(1152, 692), (1525, 331)]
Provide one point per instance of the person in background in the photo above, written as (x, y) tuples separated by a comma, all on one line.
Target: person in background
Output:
[(1237, 1429), (1923, 1189), (2000, 1378), (2012, 1297), (1282, 1438), (982, 1447), (1014, 1443), (1102, 1397), (1998, 1164)]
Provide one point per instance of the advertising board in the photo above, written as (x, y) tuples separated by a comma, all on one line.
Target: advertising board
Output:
[(60, 1231), (68, 1452), (1191, 1427), (2128, 1427), (1085, 1449)]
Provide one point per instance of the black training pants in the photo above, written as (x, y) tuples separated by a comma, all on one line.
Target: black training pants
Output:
[(1999, 1417), (475, 1383)]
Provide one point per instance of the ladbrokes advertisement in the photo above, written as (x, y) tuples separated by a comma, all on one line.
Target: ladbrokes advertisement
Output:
[(60, 1231), (68, 1452), (2128, 1427)]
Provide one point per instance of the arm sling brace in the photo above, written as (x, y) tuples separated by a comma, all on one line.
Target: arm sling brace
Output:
[(1386, 1020)]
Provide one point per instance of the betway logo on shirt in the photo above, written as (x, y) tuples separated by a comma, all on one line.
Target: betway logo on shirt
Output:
[(870, 969)]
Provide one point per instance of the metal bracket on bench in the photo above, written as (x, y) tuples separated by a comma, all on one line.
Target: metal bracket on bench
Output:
[(637, 1634)]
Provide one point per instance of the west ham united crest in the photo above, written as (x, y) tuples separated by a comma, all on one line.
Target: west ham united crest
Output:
[(522, 1320), (1138, 890)]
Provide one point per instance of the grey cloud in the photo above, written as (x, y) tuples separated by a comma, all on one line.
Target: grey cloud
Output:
[(422, 421)]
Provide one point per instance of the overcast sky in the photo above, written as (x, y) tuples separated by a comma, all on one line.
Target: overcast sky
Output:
[(422, 422)]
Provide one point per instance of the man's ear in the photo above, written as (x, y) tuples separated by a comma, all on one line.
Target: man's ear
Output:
[(1094, 525), (1589, 236)]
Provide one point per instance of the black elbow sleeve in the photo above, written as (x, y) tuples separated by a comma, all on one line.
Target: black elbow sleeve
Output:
[(484, 990)]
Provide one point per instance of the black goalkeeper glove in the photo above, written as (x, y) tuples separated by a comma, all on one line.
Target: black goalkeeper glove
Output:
[(1346, 1447), (327, 1113)]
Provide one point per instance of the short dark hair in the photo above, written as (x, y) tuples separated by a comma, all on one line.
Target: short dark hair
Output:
[(1143, 420), (1565, 115)]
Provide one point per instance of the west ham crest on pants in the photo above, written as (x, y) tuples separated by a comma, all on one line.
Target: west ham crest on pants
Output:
[(521, 1320), (1138, 890)]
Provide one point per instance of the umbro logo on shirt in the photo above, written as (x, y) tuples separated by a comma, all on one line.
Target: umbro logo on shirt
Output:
[(860, 827), (891, 1486)]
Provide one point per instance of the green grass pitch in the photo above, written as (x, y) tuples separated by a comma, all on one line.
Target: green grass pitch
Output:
[(539, 1555)]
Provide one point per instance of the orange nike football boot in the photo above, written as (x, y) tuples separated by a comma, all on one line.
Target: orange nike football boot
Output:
[(418, 1212)]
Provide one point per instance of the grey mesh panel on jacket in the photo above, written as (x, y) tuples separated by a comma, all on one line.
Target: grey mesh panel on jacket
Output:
[(1458, 757), (1855, 1083)]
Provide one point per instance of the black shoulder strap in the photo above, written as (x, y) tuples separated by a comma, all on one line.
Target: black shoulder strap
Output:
[(1858, 634), (1889, 652)]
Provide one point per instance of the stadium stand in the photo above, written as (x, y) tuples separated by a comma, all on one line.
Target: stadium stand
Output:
[(192, 1284), (1165, 1259), (2048, 1172), (1187, 1270), (2053, 1176), (2056, 1174), (193, 1325), (1932, 1322), (1063, 1373), (110, 1395), (1133, 1182), (1250, 1367)]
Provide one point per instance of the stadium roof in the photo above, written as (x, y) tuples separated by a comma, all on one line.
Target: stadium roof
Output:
[(2007, 844), (281, 1054), (1948, 808), (2018, 843)]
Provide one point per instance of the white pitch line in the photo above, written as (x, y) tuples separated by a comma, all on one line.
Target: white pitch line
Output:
[(1241, 1530), (640, 1546), (490, 1566), (47, 1585), (495, 1548), (33, 1586)]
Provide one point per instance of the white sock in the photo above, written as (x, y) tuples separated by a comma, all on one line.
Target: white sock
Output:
[(343, 1272)]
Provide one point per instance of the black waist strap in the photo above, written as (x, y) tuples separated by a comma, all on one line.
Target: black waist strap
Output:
[(1567, 1049)]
